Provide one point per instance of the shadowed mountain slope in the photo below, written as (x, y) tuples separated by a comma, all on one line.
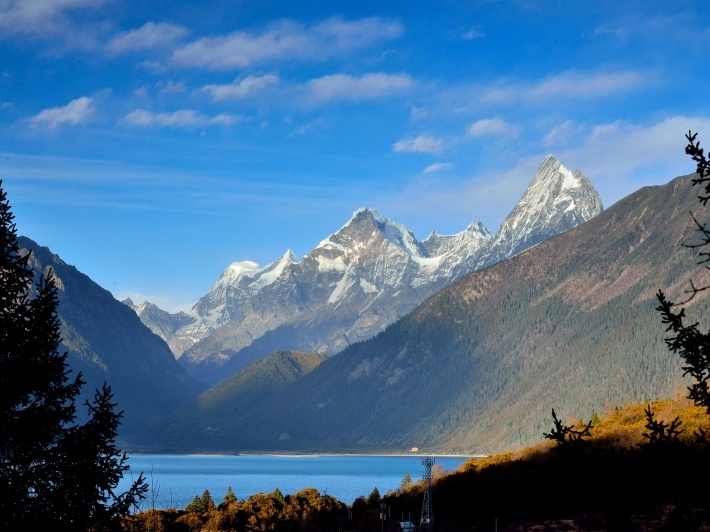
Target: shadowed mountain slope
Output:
[(254, 384), (106, 341), (569, 324), (364, 277)]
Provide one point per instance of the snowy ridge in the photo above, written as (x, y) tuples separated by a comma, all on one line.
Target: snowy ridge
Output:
[(363, 277), (555, 201)]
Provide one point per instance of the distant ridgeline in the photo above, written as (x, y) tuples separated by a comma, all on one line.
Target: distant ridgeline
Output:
[(356, 282), (568, 324)]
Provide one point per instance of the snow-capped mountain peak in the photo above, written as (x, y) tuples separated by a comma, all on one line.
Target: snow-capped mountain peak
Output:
[(236, 270), (475, 235), (556, 200), (363, 277), (361, 227)]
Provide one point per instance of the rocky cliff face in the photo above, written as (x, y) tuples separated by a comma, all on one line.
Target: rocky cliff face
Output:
[(556, 201), (359, 280)]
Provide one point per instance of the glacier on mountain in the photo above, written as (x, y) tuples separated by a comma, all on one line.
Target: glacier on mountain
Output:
[(363, 277)]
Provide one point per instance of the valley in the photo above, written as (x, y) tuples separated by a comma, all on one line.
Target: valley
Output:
[(470, 368)]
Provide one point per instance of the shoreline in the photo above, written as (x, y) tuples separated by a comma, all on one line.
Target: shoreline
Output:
[(306, 455)]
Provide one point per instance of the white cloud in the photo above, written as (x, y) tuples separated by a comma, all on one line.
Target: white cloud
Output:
[(171, 87), (438, 202), (567, 85), (420, 144), (438, 167), (419, 113), (562, 134), (75, 112), (183, 118), (582, 85), (150, 35), (156, 67), (367, 86), (319, 123), (473, 33), (240, 88), (617, 157), (621, 146), (286, 40), (38, 17), (491, 126)]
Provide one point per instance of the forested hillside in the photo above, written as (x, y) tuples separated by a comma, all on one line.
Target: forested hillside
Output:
[(569, 324), (234, 397)]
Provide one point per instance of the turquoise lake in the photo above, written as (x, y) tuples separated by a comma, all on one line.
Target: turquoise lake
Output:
[(176, 479)]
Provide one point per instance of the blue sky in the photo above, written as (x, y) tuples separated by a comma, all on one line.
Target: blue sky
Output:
[(152, 143)]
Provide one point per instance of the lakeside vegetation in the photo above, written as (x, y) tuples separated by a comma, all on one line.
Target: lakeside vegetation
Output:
[(643, 467), (623, 476), (568, 324)]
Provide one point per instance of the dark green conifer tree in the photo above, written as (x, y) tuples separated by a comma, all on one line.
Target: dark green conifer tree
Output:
[(229, 498), (54, 474), (687, 340), (374, 498)]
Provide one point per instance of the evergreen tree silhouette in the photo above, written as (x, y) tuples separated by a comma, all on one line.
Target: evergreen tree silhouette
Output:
[(54, 474), (686, 340)]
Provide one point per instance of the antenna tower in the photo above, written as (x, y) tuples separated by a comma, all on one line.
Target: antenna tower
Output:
[(427, 522)]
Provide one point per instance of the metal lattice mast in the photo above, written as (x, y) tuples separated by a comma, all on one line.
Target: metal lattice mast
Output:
[(427, 522)]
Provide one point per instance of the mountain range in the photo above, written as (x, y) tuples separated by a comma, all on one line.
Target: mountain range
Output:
[(568, 324), (357, 282)]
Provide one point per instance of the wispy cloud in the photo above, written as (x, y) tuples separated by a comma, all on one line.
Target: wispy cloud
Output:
[(473, 33), (38, 18), (627, 145), (568, 85), (286, 40), (420, 144), (150, 35), (367, 86), (171, 87), (183, 118), (319, 123), (75, 112), (562, 134), (492, 126), (419, 113), (619, 154), (438, 167), (240, 88), (438, 202)]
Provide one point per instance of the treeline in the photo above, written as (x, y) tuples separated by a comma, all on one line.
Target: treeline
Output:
[(637, 467), (476, 367), (306, 510), (640, 468)]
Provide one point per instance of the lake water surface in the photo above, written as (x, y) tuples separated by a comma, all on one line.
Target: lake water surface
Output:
[(176, 479)]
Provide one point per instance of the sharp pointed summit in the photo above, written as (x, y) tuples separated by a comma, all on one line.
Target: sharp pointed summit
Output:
[(362, 278), (555, 201)]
